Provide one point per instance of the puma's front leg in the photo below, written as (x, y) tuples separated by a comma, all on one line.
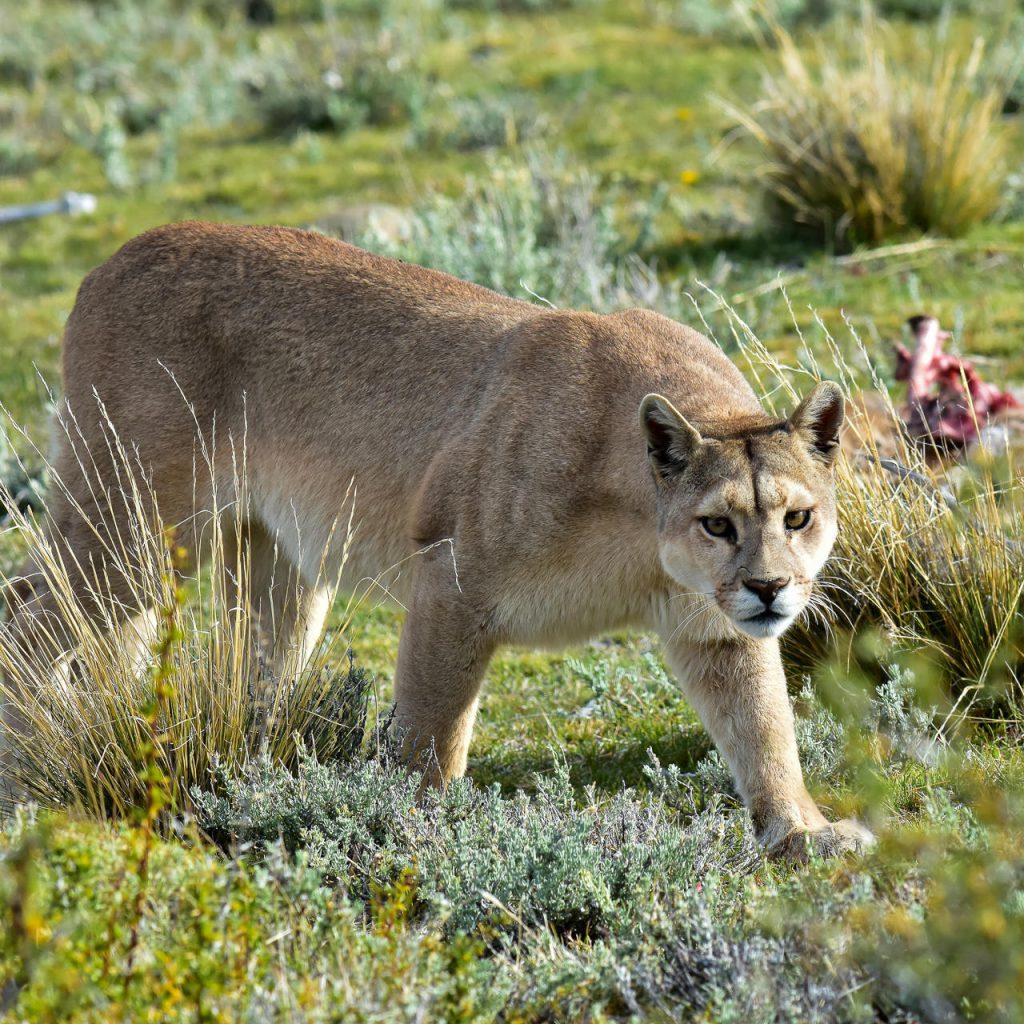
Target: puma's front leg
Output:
[(738, 688), (442, 657)]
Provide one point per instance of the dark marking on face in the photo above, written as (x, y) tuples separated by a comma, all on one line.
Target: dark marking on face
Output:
[(758, 508)]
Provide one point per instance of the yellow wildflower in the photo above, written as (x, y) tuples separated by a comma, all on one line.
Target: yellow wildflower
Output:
[(689, 176)]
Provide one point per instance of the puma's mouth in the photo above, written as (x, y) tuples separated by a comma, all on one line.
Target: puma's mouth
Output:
[(767, 616), (766, 623)]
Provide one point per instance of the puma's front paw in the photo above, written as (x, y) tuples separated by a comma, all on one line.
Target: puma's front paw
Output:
[(846, 836)]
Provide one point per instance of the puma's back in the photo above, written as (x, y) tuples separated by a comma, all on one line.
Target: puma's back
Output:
[(338, 366)]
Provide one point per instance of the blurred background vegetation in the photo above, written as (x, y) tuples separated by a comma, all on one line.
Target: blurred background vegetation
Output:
[(799, 178)]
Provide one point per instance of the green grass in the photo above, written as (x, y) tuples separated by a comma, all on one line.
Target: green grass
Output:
[(634, 102)]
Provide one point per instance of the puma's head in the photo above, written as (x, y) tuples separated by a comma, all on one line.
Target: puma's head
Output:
[(747, 517)]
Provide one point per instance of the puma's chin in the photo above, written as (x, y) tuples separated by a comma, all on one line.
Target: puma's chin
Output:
[(765, 624)]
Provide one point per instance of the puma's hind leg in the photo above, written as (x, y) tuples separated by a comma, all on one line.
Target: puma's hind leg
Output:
[(279, 615)]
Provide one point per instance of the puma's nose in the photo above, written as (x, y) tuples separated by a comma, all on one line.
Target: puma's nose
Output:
[(767, 590)]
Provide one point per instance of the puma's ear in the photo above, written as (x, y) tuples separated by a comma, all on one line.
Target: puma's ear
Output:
[(818, 418), (671, 441)]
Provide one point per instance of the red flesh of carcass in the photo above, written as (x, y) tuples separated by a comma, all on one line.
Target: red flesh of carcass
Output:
[(947, 401)]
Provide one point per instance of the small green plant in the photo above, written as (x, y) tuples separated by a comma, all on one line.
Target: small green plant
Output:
[(101, 131), (517, 6), (871, 137), (17, 155), (747, 21), (742, 20), (21, 489), (481, 122), (372, 78)]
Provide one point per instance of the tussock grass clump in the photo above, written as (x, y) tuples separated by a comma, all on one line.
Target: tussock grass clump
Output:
[(481, 122), (746, 20), (518, 6), (87, 687), (17, 155), (741, 20), (934, 578), (877, 135)]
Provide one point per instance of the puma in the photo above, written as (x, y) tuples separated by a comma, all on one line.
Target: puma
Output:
[(540, 476)]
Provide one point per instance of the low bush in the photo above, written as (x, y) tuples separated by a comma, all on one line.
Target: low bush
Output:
[(535, 230), (741, 20), (481, 122), (515, 6), (17, 156), (21, 488), (873, 136), (368, 79), (750, 20), (540, 861)]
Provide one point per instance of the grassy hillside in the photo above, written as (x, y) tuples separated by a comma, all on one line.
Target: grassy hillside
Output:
[(597, 866)]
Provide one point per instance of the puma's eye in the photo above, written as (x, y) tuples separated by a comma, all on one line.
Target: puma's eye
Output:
[(717, 526), (797, 520)]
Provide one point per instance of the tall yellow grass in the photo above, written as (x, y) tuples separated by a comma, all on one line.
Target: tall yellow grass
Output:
[(869, 134), (88, 719)]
